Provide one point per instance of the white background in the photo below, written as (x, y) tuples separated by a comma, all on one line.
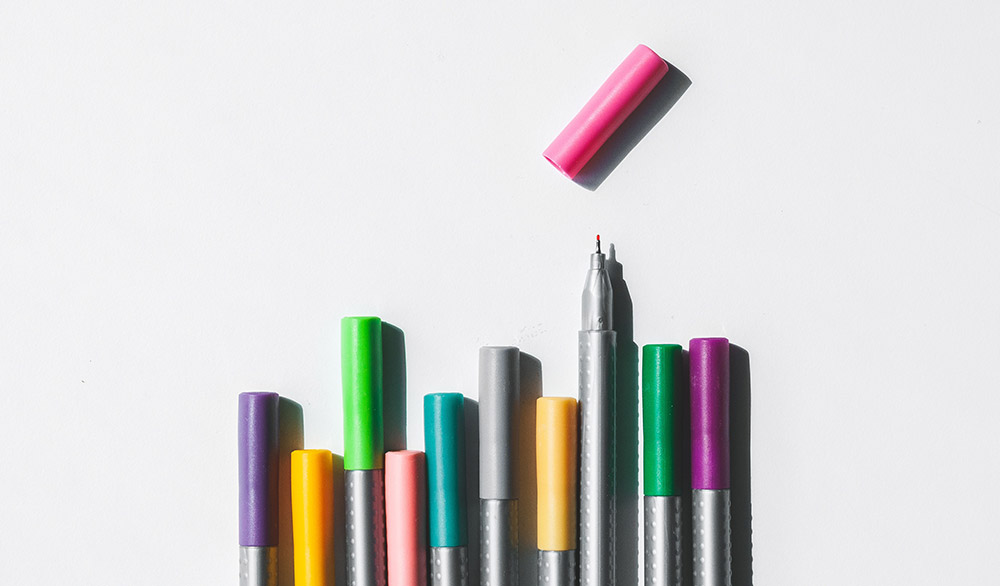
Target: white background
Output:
[(192, 195)]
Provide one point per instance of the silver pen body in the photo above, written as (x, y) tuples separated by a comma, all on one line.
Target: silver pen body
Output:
[(258, 566), (597, 429), (710, 528), (557, 568), (364, 496), (663, 549), (450, 566)]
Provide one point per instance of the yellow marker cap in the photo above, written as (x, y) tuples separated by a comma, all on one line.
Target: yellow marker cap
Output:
[(555, 433), (312, 516)]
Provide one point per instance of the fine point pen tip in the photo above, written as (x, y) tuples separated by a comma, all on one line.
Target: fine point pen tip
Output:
[(598, 244)]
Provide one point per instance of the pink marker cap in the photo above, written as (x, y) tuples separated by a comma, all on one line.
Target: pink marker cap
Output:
[(406, 517), (627, 87)]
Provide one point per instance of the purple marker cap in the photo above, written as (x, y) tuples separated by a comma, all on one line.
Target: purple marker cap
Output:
[(709, 413), (258, 437)]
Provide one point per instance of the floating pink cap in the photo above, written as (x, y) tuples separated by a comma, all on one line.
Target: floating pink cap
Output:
[(406, 517), (627, 87)]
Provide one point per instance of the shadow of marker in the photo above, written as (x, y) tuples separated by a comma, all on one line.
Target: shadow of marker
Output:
[(527, 488), (626, 472), (739, 452), (656, 105), (393, 388), (471, 412), (290, 437)]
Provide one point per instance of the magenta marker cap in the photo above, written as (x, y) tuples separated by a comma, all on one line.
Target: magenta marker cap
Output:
[(258, 439), (627, 87), (709, 413)]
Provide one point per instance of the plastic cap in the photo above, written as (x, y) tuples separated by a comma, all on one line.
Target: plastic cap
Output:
[(361, 372), (406, 517), (444, 438), (662, 385), (709, 413), (258, 457), (555, 437), (627, 87), (499, 390), (312, 516)]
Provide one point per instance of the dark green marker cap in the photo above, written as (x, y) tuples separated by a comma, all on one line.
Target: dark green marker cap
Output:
[(444, 440), (662, 383), (361, 374)]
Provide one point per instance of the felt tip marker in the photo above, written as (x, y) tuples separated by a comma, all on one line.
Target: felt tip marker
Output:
[(710, 461), (444, 438), (556, 449), (597, 396), (663, 383), (364, 477), (499, 392), (258, 473), (312, 516), (406, 517)]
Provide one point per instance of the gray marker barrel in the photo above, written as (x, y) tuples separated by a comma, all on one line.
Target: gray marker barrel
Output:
[(499, 393), (450, 566), (364, 495), (662, 553), (712, 556), (597, 429), (556, 568)]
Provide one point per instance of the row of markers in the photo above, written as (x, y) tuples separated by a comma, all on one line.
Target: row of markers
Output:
[(405, 511)]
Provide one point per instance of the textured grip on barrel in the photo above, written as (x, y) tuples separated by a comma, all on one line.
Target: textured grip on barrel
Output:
[(258, 566), (597, 432), (710, 525), (662, 519), (498, 542), (556, 568), (450, 566), (364, 492)]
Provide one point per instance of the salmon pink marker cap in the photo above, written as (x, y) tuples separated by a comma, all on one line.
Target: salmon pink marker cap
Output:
[(627, 87), (406, 517)]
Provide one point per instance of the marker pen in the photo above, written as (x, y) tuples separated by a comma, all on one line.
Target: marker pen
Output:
[(597, 428), (710, 461), (444, 438), (258, 470), (312, 516), (556, 449), (499, 390), (662, 383), (406, 517), (364, 480)]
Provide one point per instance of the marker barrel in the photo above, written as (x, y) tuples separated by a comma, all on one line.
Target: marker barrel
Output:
[(258, 479), (663, 529), (364, 492), (597, 432)]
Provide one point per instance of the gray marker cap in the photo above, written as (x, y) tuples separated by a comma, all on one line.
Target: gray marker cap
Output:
[(499, 391)]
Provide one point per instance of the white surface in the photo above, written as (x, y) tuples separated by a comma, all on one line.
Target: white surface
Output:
[(191, 197)]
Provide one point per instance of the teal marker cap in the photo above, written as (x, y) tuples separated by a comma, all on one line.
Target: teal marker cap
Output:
[(662, 382), (444, 440)]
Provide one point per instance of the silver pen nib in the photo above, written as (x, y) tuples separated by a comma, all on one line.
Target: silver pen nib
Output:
[(597, 294)]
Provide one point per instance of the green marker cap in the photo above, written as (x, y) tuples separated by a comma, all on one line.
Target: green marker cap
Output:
[(444, 440), (361, 374), (662, 384)]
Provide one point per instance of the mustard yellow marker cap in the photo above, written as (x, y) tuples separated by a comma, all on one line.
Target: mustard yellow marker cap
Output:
[(312, 516), (556, 453)]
